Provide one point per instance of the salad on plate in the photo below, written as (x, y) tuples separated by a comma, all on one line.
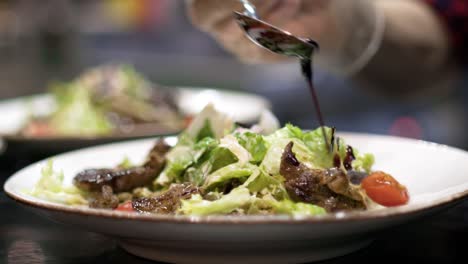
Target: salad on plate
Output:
[(106, 100), (220, 168)]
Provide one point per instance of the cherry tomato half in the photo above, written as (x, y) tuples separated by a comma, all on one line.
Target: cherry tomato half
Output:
[(384, 189), (125, 207)]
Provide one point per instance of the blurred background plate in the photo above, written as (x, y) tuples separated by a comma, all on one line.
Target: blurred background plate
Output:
[(244, 108)]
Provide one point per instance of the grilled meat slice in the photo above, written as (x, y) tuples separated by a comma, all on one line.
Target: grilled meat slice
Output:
[(329, 189), (167, 202), (121, 180), (157, 155)]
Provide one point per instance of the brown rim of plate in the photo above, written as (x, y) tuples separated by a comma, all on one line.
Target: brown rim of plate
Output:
[(270, 219)]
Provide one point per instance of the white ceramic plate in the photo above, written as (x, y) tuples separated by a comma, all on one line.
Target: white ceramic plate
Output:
[(242, 107), (435, 175)]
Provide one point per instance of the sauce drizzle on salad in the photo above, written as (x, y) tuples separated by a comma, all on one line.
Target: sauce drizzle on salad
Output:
[(349, 158)]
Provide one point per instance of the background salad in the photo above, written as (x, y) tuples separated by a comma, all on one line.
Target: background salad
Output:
[(109, 99)]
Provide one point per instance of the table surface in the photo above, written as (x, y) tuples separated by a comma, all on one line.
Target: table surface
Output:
[(29, 238)]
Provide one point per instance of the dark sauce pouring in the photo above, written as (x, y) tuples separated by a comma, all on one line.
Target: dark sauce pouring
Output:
[(282, 42), (307, 72)]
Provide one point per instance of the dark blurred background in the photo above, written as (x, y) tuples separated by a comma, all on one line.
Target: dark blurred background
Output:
[(42, 41)]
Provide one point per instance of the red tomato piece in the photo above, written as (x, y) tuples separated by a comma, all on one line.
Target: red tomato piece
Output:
[(125, 207), (383, 189)]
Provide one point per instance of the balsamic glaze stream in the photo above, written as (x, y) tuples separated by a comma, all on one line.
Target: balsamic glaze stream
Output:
[(284, 43)]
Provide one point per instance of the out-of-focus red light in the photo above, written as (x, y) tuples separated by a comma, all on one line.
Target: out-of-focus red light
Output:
[(406, 126)]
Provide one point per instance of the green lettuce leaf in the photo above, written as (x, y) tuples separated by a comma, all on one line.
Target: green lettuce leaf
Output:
[(314, 140), (261, 182), (238, 198), (216, 159), (225, 174), (205, 131), (272, 160), (309, 147), (363, 162), (231, 143), (179, 158), (287, 132), (50, 187), (76, 114), (270, 205), (296, 209), (254, 143), (135, 84)]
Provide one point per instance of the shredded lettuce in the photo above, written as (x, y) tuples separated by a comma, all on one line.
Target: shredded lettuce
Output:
[(135, 85), (268, 205), (314, 140), (228, 173), (309, 147), (230, 142), (50, 187), (272, 159), (254, 143), (112, 80), (76, 114), (216, 159), (363, 162), (287, 132), (240, 200), (205, 131), (221, 157), (261, 182), (203, 135), (183, 155), (296, 209), (235, 200)]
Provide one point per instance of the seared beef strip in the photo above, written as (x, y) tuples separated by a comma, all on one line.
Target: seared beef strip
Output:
[(121, 180), (157, 155), (329, 189), (167, 202)]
